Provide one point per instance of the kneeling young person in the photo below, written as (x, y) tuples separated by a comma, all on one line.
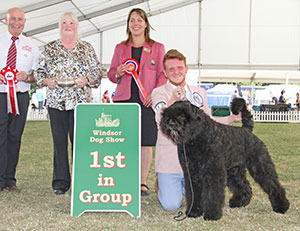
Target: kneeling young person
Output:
[(171, 186)]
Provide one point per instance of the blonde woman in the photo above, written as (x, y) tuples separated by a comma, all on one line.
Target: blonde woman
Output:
[(69, 68)]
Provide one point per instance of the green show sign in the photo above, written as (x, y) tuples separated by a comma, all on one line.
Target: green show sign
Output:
[(106, 159)]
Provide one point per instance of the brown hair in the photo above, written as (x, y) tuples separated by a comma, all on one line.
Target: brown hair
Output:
[(174, 54), (144, 16)]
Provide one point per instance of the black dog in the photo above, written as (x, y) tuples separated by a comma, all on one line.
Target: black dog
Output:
[(239, 105), (214, 155)]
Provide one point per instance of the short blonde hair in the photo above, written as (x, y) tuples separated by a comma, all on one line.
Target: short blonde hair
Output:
[(72, 15)]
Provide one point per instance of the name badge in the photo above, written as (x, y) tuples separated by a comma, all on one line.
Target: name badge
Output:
[(147, 49), (198, 99)]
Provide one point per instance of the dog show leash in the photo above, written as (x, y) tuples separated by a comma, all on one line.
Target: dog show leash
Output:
[(180, 213)]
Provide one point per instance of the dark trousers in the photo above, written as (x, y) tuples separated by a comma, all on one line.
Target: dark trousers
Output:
[(62, 127), (11, 130)]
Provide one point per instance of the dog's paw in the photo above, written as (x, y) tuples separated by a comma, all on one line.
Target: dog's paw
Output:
[(213, 217), (236, 202), (281, 208), (194, 214)]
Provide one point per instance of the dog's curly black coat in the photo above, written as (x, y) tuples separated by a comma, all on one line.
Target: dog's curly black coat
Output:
[(239, 105), (217, 155)]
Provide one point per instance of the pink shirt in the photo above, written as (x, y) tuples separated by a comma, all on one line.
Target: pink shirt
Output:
[(166, 157), (151, 69)]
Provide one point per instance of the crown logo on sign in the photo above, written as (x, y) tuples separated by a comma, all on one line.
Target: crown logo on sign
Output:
[(106, 121)]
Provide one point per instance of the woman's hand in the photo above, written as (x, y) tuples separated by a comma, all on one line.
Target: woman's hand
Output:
[(81, 81), (120, 70), (50, 83), (148, 101)]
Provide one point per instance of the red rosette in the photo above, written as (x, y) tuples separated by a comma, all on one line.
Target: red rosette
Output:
[(10, 80), (133, 67)]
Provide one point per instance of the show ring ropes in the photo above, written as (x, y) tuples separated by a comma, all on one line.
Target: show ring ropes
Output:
[(132, 69), (10, 81)]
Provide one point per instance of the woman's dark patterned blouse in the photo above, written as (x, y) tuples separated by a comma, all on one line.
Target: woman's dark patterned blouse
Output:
[(61, 63)]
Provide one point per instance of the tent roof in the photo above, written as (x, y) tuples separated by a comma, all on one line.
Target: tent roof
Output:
[(95, 16), (232, 40)]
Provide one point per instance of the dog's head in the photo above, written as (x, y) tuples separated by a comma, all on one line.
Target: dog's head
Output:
[(178, 121), (238, 105)]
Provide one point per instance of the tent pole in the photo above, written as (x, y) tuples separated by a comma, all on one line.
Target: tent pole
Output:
[(250, 32), (100, 58), (252, 93), (199, 42)]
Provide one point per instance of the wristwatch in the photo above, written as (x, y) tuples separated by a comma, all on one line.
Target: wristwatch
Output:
[(27, 80)]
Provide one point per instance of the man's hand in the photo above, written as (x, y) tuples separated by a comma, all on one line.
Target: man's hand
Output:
[(21, 76), (1, 79), (178, 94), (236, 118)]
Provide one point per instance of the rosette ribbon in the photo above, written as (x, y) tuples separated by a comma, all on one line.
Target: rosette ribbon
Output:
[(132, 69), (10, 81)]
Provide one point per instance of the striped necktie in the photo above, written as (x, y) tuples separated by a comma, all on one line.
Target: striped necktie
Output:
[(12, 54)]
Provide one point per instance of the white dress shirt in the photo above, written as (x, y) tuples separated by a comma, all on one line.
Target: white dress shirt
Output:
[(27, 57)]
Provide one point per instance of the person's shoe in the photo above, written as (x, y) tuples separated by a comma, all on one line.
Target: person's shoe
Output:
[(13, 188), (145, 192), (60, 191)]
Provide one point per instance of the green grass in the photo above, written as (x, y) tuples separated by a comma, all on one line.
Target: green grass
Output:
[(38, 208)]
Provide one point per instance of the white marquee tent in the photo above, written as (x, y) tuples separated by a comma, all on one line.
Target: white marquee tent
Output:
[(223, 40)]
